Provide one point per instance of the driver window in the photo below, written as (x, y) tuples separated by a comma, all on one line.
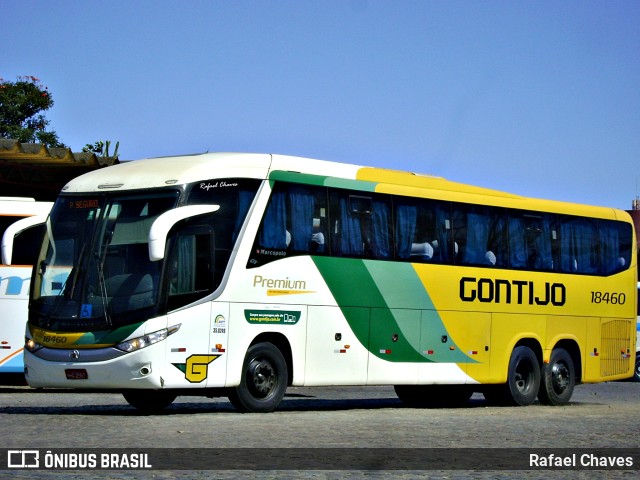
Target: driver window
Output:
[(190, 268)]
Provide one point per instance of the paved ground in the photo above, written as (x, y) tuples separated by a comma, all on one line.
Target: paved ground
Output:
[(599, 416)]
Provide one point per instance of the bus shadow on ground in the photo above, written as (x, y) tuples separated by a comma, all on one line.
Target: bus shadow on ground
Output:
[(182, 405)]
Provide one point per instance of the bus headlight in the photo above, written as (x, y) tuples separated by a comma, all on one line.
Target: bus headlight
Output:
[(138, 343), (31, 345)]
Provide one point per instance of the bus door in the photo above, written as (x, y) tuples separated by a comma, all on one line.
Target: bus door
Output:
[(196, 350)]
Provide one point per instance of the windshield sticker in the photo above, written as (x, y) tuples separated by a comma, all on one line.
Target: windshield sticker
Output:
[(272, 317), (86, 310)]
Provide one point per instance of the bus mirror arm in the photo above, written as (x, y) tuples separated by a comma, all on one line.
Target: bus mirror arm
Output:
[(14, 229), (161, 226)]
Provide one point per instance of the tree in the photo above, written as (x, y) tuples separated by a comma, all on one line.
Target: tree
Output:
[(101, 148), (20, 105)]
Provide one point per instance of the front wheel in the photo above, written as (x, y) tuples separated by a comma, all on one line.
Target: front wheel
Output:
[(263, 382), (558, 379), (149, 401)]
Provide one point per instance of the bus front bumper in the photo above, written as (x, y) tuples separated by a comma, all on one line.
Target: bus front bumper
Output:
[(61, 368)]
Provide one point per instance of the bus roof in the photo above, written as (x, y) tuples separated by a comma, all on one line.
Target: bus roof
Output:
[(178, 170), (163, 171)]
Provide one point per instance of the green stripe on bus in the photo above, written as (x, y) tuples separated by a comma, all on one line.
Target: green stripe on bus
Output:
[(322, 181), (283, 176), (350, 184), (399, 308)]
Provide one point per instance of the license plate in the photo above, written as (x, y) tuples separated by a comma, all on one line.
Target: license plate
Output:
[(76, 374)]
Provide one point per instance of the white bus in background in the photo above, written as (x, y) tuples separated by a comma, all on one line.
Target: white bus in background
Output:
[(21, 224)]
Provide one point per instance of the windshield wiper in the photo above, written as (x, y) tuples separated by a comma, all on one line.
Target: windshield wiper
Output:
[(75, 273), (102, 284)]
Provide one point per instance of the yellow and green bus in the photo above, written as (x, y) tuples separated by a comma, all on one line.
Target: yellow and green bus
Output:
[(242, 274)]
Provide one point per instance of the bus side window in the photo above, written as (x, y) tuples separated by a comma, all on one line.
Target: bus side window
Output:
[(294, 223), (479, 235), (422, 230), (347, 234), (380, 235), (273, 230), (532, 241), (579, 245), (190, 275), (306, 221), (407, 236), (362, 225), (614, 241)]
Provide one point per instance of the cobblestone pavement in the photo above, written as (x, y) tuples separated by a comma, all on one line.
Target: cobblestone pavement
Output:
[(599, 416)]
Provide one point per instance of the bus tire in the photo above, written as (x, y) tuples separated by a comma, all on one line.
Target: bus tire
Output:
[(558, 379), (149, 401), (523, 380), (636, 372), (263, 382)]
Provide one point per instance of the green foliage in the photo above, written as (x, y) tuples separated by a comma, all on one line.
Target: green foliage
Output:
[(101, 148), (21, 104)]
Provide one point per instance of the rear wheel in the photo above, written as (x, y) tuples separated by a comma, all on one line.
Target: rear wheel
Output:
[(149, 401), (264, 380), (558, 379), (523, 380), (636, 372)]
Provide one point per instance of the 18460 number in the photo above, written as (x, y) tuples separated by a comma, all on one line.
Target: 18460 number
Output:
[(613, 298)]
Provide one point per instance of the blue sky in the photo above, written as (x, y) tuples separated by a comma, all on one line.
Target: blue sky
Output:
[(540, 98)]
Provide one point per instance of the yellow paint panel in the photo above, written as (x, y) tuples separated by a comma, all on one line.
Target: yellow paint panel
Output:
[(427, 186), (506, 331), (55, 340), (471, 332)]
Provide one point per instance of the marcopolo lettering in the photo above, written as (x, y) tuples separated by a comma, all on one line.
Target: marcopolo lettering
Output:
[(487, 290)]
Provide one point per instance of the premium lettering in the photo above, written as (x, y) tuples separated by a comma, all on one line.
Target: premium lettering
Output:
[(487, 290), (279, 283)]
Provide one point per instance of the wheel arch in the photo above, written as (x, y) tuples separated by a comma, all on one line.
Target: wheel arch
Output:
[(573, 349), (533, 344), (281, 342)]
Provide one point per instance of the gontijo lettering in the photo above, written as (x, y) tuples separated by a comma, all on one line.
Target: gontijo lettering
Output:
[(486, 290)]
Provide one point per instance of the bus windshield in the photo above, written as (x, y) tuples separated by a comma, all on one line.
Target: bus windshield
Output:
[(94, 270)]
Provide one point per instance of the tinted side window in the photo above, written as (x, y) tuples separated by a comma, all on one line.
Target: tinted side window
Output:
[(533, 241), (614, 240), (579, 245), (361, 225), (295, 222), (423, 230), (480, 235)]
